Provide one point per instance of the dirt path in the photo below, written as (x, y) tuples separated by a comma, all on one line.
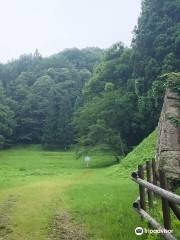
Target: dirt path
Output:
[(5, 208), (64, 228)]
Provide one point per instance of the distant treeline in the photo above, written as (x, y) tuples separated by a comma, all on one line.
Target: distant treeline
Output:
[(39, 95), (110, 99)]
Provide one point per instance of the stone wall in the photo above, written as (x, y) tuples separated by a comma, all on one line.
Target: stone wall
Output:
[(168, 143)]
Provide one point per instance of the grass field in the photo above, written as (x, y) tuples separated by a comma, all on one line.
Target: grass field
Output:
[(42, 190)]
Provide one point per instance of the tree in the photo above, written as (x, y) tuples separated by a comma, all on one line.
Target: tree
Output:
[(7, 121), (58, 131), (29, 91)]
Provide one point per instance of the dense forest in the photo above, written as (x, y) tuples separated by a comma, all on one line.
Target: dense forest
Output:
[(39, 96), (110, 99)]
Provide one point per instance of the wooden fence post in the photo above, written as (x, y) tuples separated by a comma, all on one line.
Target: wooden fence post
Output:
[(154, 170), (175, 209), (142, 192), (165, 203), (149, 179)]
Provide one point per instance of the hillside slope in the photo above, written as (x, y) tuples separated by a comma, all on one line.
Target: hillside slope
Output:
[(141, 153)]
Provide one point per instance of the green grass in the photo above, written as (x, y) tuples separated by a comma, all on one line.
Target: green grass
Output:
[(156, 212), (36, 184), (143, 152)]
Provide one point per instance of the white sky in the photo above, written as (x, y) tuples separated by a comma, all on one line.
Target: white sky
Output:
[(52, 25)]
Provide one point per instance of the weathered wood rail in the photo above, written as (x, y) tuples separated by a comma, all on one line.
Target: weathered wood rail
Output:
[(155, 185)]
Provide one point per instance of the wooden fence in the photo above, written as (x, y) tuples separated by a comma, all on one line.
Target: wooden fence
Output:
[(154, 184)]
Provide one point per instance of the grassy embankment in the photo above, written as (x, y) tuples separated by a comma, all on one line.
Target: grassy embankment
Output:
[(35, 185)]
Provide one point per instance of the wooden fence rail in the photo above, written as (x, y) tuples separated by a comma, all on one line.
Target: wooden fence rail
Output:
[(155, 185)]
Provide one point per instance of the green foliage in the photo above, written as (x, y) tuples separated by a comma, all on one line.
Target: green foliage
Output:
[(110, 98), (40, 95), (57, 131), (106, 121), (143, 152), (174, 120), (124, 96), (155, 39), (172, 81), (7, 121)]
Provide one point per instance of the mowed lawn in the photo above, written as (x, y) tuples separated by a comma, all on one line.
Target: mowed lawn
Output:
[(35, 185)]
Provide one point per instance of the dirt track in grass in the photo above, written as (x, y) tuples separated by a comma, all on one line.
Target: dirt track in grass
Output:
[(5, 209), (64, 228)]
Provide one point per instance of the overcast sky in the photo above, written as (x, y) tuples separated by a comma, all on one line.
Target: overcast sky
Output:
[(52, 25)]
